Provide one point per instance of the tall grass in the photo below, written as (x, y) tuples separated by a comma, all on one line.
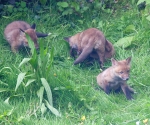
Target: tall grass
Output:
[(74, 88)]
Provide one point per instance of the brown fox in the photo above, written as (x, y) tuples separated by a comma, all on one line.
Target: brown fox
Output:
[(115, 77), (15, 34), (90, 42)]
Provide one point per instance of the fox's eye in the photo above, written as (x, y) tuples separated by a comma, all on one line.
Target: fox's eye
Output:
[(128, 70), (121, 72)]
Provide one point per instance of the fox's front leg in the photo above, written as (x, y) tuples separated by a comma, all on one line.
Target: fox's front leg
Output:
[(126, 90), (14, 48), (107, 90), (106, 87)]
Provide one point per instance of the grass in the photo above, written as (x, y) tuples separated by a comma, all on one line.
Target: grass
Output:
[(73, 87)]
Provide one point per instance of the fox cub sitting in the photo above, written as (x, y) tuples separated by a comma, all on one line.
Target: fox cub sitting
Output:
[(115, 77), (15, 34), (92, 43)]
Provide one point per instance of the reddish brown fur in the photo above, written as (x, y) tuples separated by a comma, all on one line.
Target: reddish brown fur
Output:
[(115, 77), (15, 34), (88, 42)]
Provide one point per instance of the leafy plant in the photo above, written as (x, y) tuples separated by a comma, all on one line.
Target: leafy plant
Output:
[(80, 7), (40, 64), (19, 7)]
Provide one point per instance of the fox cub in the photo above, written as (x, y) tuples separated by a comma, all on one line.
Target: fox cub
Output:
[(115, 77), (92, 43), (15, 34)]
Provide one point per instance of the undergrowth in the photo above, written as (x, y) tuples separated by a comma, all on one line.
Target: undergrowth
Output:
[(74, 89)]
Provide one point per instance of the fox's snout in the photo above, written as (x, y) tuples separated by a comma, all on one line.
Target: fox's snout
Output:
[(124, 77)]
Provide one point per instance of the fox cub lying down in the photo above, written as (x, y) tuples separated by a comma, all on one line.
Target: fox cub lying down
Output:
[(15, 34), (92, 43), (115, 77)]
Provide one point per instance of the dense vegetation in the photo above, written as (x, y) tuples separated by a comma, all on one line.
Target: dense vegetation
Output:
[(44, 87)]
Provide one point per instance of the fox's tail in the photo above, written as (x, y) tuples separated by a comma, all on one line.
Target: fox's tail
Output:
[(108, 46), (109, 50), (86, 51)]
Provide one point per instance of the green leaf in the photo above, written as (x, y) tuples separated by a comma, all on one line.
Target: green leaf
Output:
[(43, 2), (52, 109), (4, 90), (4, 68), (20, 78), (124, 42), (43, 108), (25, 60), (40, 93), (30, 81), (48, 90), (7, 101), (63, 4), (129, 28), (148, 18), (23, 4), (30, 43), (10, 112)]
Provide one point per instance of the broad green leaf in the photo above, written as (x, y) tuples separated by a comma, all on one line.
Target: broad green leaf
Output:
[(80, 21), (52, 109), (43, 108), (7, 100), (34, 60), (124, 42), (40, 93), (48, 90), (30, 43), (30, 81), (129, 28), (65, 12), (10, 112), (20, 118), (43, 2), (25, 60), (20, 79), (62, 4), (23, 4), (6, 17), (148, 18)]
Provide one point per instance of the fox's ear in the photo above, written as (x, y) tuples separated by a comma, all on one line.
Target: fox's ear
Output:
[(128, 60), (33, 26), (114, 62), (66, 38)]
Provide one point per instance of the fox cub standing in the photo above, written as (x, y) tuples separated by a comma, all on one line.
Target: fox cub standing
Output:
[(15, 34), (90, 42), (115, 77)]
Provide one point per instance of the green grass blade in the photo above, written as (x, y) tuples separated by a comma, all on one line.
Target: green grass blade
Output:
[(4, 90), (30, 81), (43, 108), (40, 93), (52, 109), (20, 78), (25, 60), (48, 90)]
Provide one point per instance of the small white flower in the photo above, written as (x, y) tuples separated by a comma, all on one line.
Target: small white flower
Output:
[(138, 123)]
